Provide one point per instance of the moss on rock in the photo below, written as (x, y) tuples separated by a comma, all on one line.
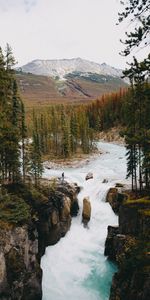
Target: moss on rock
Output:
[(14, 210)]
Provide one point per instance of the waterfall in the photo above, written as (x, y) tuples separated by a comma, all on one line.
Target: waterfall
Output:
[(75, 268)]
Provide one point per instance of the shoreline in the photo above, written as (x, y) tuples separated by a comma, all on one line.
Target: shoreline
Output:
[(76, 162), (81, 160)]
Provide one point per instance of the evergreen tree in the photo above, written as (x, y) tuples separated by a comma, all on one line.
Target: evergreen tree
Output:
[(138, 12), (24, 143), (9, 123), (65, 138), (36, 167)]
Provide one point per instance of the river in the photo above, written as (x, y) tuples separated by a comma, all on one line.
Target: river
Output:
[(75, 268)]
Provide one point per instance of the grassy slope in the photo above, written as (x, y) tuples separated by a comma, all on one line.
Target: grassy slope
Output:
[(37, 90)]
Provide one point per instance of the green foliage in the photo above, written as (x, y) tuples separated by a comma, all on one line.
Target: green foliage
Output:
[(134, 256), (64, 130), (10, 120), (145, 212), (136, 109), (36, 167), (142, 201), (53, 185), (13, 209), (34, 197), (138, 12)]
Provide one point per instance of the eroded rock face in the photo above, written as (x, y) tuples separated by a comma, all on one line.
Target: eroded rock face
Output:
[(55, 216), (20, 273), (115, 199), (21, 247), (86, 213), (133, 221), (110, 249), (128, 246)]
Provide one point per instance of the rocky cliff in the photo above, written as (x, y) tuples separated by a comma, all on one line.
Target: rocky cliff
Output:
[(55, 215), (128, 246), (43, 217), (20, 273)]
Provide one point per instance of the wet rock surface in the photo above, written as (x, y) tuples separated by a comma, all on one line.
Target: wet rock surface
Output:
[(89, 176), (86, 213), (55, 215), (115, 199)]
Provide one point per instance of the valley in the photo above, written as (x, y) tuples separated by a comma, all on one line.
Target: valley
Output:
[(75, 81)]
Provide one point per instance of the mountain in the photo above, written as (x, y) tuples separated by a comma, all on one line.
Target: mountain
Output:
[(40, 90), (42, 82), (61, 67)]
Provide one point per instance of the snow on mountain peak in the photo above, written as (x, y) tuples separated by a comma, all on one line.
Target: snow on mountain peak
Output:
[(62, 67)]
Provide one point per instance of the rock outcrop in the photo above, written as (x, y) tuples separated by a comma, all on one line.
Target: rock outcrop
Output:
[(23, 243), (128, 246), (86, 213), (55, 215), (115, 199), (89, 176), (20, 273)]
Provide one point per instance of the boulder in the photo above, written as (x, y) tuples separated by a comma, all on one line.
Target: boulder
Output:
[(66, 208), (65, 217), (105, 181), (115, 199), (86, 213), (119, 185), (89, 176)]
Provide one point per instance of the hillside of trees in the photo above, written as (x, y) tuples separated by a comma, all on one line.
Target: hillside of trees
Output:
[(40, 90), (64, 130)]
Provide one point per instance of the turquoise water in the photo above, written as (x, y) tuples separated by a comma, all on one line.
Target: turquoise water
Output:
[(100, 278)]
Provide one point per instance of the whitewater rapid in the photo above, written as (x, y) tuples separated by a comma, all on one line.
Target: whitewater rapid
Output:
[(75, 268)]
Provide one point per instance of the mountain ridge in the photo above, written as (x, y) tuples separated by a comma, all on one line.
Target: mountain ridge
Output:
[(61, 67)]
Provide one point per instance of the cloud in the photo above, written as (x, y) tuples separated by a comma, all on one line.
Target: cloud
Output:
[(9, 5), (29, 4), (49, 29)]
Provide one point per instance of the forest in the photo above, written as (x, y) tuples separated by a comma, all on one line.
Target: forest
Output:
[(64, 130)]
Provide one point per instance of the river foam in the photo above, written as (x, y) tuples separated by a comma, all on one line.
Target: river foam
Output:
[(75, 268)]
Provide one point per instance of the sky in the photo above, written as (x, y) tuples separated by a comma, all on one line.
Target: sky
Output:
[(55, 29)]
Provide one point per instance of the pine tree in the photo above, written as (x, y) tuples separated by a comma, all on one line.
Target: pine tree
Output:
[(36, 167), (65, 138), (24, 144), (9, 124)]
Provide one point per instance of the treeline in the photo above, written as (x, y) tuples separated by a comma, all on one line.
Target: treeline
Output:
[(136, 120), (60, 130), (12, 119), (106, 112), (129, 109), (16, 158), (64, 130)]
